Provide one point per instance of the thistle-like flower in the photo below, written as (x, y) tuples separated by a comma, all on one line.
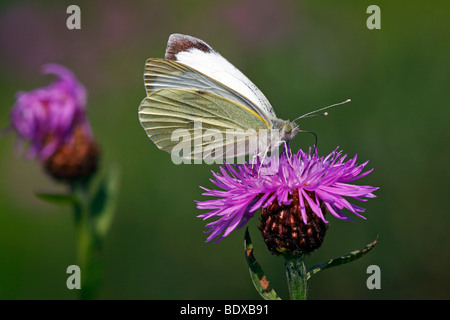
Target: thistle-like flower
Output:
[(52, 122), (293, 201)]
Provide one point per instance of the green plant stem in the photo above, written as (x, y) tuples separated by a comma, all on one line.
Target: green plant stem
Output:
[(296, 276), (88, 243)]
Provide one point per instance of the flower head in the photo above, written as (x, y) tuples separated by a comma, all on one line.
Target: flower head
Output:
[(46, 117), (306, 183), (53, 123)]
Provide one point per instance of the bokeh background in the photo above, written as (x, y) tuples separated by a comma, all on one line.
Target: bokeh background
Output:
[(303, 55)]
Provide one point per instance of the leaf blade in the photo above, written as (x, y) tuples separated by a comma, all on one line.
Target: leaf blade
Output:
[(103, 203), (349, 257), (262, 285)]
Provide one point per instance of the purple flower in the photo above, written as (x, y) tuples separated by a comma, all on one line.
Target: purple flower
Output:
[(52, 122), (45, 118), (317, 184)]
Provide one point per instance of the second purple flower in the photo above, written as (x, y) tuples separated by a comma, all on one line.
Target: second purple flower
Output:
[(52, 122)]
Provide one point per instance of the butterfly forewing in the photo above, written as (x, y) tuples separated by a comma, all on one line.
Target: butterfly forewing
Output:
[(164, 74), (200, 56)]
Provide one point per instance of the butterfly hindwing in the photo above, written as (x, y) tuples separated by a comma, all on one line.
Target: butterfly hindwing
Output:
[(166, 110)]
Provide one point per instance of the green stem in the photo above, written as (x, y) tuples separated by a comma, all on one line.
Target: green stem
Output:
[(296, 276), (88, 243)]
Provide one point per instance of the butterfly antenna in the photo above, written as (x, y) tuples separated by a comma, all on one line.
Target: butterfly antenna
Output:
[(316, 112)]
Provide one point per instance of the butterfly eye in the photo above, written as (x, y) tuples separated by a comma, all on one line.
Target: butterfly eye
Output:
[(288, 128)]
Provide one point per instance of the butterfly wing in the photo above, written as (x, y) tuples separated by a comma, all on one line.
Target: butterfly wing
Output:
[(200, 56), (167, 110), (165, 74)]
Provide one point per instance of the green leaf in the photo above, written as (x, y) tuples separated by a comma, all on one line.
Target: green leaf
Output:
[(59, 199), (259, 280), (352, 256), (103, 202)]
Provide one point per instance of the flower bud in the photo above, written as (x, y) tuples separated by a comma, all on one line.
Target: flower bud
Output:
[(75, 160)]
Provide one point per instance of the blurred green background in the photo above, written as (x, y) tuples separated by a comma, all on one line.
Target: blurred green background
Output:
[(303, 55)]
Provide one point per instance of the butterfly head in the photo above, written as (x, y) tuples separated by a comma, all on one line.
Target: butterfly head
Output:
[(288, 130)]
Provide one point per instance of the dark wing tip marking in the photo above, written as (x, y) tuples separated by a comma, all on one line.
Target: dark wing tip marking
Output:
[(178, 43)]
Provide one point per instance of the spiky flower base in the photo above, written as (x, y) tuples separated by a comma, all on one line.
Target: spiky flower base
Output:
[(284, 231), (75, 160)]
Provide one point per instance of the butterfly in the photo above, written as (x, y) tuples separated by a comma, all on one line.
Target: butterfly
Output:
[(194, 90)]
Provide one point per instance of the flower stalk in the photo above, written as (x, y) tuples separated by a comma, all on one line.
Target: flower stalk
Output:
[(296, 275), (88, 243)]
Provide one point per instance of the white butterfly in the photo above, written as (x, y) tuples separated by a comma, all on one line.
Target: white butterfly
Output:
[(195, 84)]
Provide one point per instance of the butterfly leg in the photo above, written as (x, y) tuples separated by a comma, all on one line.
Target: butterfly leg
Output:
[(262, 160)]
